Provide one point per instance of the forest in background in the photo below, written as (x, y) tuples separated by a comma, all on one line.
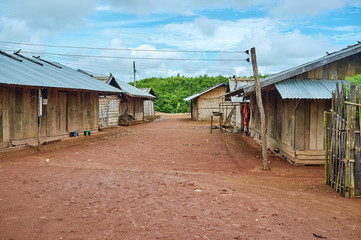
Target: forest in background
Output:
[(172, 90)]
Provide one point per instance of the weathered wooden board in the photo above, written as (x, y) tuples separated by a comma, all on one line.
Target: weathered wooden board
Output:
[(318, 73), (307, 124), (12, 116), (313, 125), (320, 124), (6, 114), (51, 116), (342, 68), (300, 126), (357, 63), (332, 71)]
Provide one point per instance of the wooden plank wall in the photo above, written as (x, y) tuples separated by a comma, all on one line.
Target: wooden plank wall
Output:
[(292, 127), (65, 112), (348, 66), (148, 108), (139, 108), (195, 109)]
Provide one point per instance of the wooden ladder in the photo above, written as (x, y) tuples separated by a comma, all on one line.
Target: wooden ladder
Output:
[(229, 117)]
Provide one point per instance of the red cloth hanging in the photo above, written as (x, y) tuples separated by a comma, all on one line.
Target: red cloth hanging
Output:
[(245, 117)]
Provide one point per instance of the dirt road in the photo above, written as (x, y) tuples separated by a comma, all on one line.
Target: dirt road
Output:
[(169, 179)]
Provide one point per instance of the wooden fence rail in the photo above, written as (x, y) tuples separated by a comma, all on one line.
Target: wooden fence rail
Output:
[(342, 142)]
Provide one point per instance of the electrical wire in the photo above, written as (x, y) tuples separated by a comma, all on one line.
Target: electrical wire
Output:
[(134, 58), (123, 49)]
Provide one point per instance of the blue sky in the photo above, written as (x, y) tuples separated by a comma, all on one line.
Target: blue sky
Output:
[(285, 33)]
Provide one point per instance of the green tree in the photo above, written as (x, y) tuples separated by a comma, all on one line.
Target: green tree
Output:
[(172, 90)]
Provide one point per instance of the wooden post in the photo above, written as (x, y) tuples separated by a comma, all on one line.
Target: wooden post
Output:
[(261, 110), (326, 147), (191, 101), (135, 85), (40, 106)]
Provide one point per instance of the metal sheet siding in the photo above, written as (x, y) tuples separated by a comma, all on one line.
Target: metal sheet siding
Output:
[(307, 89), (27, 73)]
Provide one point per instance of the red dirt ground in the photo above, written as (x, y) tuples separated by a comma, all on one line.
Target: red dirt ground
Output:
[(169, 179)]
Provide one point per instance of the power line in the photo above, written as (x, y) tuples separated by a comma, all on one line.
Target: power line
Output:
[(123, 49), (139, 58)]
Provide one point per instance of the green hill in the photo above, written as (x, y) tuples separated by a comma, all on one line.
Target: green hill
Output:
[(171, 90)]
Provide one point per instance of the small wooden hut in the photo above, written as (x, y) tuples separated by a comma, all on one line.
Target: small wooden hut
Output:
[(148, 104), (207, 101), (136, 97), (36, 94), (295, 101)]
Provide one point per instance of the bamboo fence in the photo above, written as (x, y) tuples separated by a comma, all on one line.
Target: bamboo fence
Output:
[(342, 141)]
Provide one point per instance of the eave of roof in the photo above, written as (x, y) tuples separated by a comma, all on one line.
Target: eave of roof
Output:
[(130, 90), (292, 72), (29, 74)]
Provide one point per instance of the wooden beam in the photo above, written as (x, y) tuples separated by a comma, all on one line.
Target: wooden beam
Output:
[(261, 110)]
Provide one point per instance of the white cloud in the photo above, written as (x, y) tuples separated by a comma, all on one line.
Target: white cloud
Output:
[(207, 26), (50, 15), (276, 49), (144, 7), (304, 7)]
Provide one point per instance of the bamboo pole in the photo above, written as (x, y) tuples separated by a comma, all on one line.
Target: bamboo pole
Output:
[(353, 136), (261, 110), (348, 144), (332, 144)]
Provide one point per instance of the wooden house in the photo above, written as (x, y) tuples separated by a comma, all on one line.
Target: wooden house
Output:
[(295, 101), (207, 101), (109, 105), (136, 97), (148, 104), (36, 94)]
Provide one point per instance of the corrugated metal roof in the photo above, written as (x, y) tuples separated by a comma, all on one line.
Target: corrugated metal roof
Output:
[(130, 90), (148, 90), (94, 74), (27, 73), (292, 72), (307, 89), (205, 91)]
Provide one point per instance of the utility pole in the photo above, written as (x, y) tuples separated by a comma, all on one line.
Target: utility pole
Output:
[(261, 110), (191, 101), (134, 71)]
